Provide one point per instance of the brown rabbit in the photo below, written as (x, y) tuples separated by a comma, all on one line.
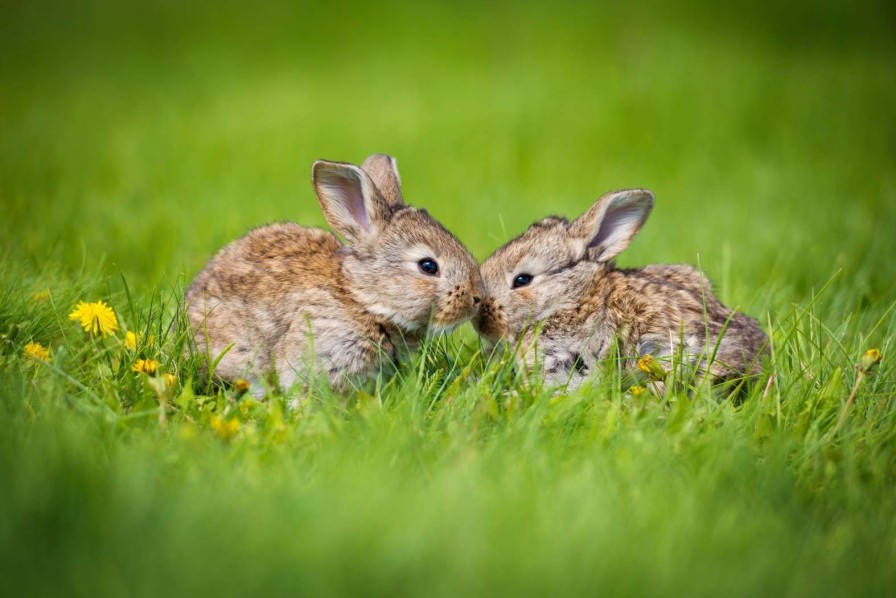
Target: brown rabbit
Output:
[(560, 275), (296, 301)]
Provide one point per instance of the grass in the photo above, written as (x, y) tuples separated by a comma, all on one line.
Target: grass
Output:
[(135, 141)]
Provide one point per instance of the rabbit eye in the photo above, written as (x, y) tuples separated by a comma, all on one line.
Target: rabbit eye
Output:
[(428, 266), (522, 280)]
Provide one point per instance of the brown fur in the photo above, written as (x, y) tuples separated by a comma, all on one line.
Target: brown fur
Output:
[(297, 301), (584, 304)]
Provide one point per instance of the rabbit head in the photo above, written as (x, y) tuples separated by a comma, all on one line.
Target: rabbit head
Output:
[(399, 262), (554, 262)]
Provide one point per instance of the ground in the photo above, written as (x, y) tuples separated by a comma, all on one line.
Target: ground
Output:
[(137, 140)]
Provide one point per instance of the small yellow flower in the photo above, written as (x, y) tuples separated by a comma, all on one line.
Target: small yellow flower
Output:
[(870, 359), (636, 390), (145, 366), (132, 339), (41, 296), (97, 318), (170, 380), (225, 429), (650, 366), (36, 351), (241, 385)]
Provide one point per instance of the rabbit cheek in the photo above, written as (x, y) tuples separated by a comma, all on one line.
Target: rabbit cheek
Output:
[(527, 304)]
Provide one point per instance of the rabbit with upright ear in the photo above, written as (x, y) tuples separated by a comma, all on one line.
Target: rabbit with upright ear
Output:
[(298, 302), (559, 276)]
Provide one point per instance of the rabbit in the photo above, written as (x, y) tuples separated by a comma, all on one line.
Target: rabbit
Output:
[(297, 302), (559, 276)]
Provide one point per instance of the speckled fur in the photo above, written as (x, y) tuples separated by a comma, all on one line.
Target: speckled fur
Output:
[(583, 305), (297, 301)]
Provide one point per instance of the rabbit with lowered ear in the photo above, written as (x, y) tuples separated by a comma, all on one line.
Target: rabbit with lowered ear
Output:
[(560, 275), (298, 301)]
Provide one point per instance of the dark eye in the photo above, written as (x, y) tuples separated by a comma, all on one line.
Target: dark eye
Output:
[(428, 266), (522, 280)]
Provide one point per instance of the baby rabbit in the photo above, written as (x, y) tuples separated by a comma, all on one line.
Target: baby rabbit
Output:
[(297, 301), (560, 275)]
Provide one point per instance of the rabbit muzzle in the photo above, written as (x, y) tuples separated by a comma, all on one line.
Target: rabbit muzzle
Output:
[(459, 305), (491, 320)]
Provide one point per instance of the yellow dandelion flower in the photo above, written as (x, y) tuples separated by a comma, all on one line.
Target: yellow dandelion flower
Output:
[(650, 366), (36, 351), (96, 318), (41, 296), (170, 380), (145, 366), (636, 390), (225, 429), (241, 385)]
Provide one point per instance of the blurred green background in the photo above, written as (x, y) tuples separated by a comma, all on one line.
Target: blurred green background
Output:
[(138, 138), (150, 135)]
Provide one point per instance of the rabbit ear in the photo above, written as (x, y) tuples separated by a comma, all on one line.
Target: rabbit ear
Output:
[(383, 171), (350, 201), (611, 223)]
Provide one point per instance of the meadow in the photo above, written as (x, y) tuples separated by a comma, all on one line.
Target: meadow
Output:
[(137, 139)]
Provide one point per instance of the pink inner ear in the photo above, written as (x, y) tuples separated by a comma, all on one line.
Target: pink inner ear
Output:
[(618, 222), (360, 214), (352, 196)]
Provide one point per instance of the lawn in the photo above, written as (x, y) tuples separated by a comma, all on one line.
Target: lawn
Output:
[(137, 140)]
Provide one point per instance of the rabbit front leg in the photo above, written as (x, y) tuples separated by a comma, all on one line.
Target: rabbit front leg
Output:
[(560, 364), (344, 353)]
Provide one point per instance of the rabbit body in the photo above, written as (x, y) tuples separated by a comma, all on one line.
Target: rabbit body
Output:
[(297, 301), (279, 294), (556, 291)]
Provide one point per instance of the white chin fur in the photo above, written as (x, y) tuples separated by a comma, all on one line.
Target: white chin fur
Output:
[(412, 325), (396, 318)]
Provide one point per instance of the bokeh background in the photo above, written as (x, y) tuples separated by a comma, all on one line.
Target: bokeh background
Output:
[(137, 138), (144, 136)]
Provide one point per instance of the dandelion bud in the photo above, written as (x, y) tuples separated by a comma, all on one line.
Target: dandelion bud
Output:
[(650, 366), (869, 360)]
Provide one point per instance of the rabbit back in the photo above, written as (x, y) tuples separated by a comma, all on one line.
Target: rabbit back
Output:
[(723, 342), (661, 310), (276, 299)]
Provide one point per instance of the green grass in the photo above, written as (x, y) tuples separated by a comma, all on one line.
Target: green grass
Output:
[(135, 141)]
